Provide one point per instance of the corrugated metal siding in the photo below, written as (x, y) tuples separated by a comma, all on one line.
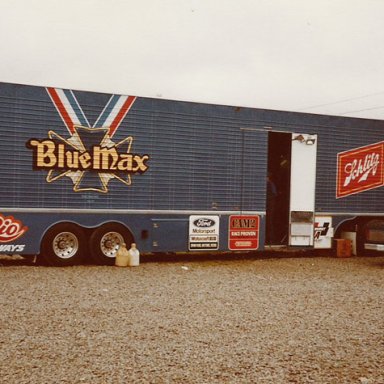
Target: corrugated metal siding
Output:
[(331, 142), (199, 157), (195, 156)]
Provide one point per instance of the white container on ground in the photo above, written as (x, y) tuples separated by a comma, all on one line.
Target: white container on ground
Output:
[(134, 256), (122, 256)]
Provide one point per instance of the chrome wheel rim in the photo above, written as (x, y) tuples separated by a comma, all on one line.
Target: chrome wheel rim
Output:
[(110, 243), (65, 245)]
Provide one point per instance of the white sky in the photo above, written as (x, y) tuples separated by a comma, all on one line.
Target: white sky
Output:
[(320, 56)]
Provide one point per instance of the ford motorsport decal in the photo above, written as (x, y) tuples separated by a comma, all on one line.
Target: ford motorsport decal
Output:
[(89, 156), (360, 169), (203, 233)]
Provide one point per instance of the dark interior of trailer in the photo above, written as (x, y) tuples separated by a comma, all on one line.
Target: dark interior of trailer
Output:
[(278, 188)]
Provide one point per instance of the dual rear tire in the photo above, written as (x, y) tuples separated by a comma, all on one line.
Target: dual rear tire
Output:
[(66, 244), (106, 240)]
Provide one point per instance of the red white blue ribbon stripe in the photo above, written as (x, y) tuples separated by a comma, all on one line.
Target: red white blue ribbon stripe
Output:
[(114, 112), (71, 113), (68, 108)]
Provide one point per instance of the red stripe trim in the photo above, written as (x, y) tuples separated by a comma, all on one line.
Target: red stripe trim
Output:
[(61, 109), (120, 116)]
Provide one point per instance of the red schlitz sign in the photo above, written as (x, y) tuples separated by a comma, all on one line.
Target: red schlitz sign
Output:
[(360, 169)]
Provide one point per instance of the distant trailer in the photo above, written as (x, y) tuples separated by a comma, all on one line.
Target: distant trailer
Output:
[(83, 172)]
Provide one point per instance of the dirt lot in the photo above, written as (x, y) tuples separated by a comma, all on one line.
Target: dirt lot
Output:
[(228, 320)]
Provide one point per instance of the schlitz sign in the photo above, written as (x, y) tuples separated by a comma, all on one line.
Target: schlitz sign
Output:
[(360, 169)]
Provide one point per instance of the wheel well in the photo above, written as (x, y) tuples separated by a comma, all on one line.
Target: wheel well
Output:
[(348, 225), (368, 229), (89, 230), (356, 223)]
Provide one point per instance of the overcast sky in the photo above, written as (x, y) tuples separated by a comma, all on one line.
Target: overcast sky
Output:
[(320, 56)]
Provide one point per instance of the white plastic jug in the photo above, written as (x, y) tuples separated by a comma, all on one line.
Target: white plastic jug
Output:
[(134, 256)]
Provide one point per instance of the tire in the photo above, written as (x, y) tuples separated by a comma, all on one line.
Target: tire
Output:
[(64, 245), (105, 242), (361, 239)]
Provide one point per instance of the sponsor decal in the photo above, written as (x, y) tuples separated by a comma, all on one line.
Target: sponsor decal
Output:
[(203, 222), (10, 229), (203, 233), (88, 156), (321, 230), (360, 169), (243, 232), (12, 248)]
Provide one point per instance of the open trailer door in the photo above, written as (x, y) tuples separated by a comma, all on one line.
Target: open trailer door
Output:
[(302, 189), (291, 178)]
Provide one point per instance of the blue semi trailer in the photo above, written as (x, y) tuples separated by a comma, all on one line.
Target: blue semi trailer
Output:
[(82, 172)]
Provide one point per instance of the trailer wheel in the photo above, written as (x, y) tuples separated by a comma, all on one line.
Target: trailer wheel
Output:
[(105, 242), (371, 232), (64, 245)]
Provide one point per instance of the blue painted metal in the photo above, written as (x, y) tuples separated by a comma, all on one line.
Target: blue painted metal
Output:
[(201, 160)]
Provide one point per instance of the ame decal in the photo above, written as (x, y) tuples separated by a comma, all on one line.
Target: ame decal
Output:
[(360, 169), (89, 157), (243, 232), (10, 229)]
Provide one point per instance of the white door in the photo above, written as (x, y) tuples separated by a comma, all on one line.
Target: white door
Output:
[(302, 189)]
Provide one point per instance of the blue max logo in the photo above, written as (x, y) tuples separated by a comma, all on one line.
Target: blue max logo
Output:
[(89, 157)]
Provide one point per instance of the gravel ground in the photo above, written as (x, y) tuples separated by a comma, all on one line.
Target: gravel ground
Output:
[(228, 320)]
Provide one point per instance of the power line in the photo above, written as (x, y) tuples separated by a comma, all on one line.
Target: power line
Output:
[(360, 110), (342, 101)]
